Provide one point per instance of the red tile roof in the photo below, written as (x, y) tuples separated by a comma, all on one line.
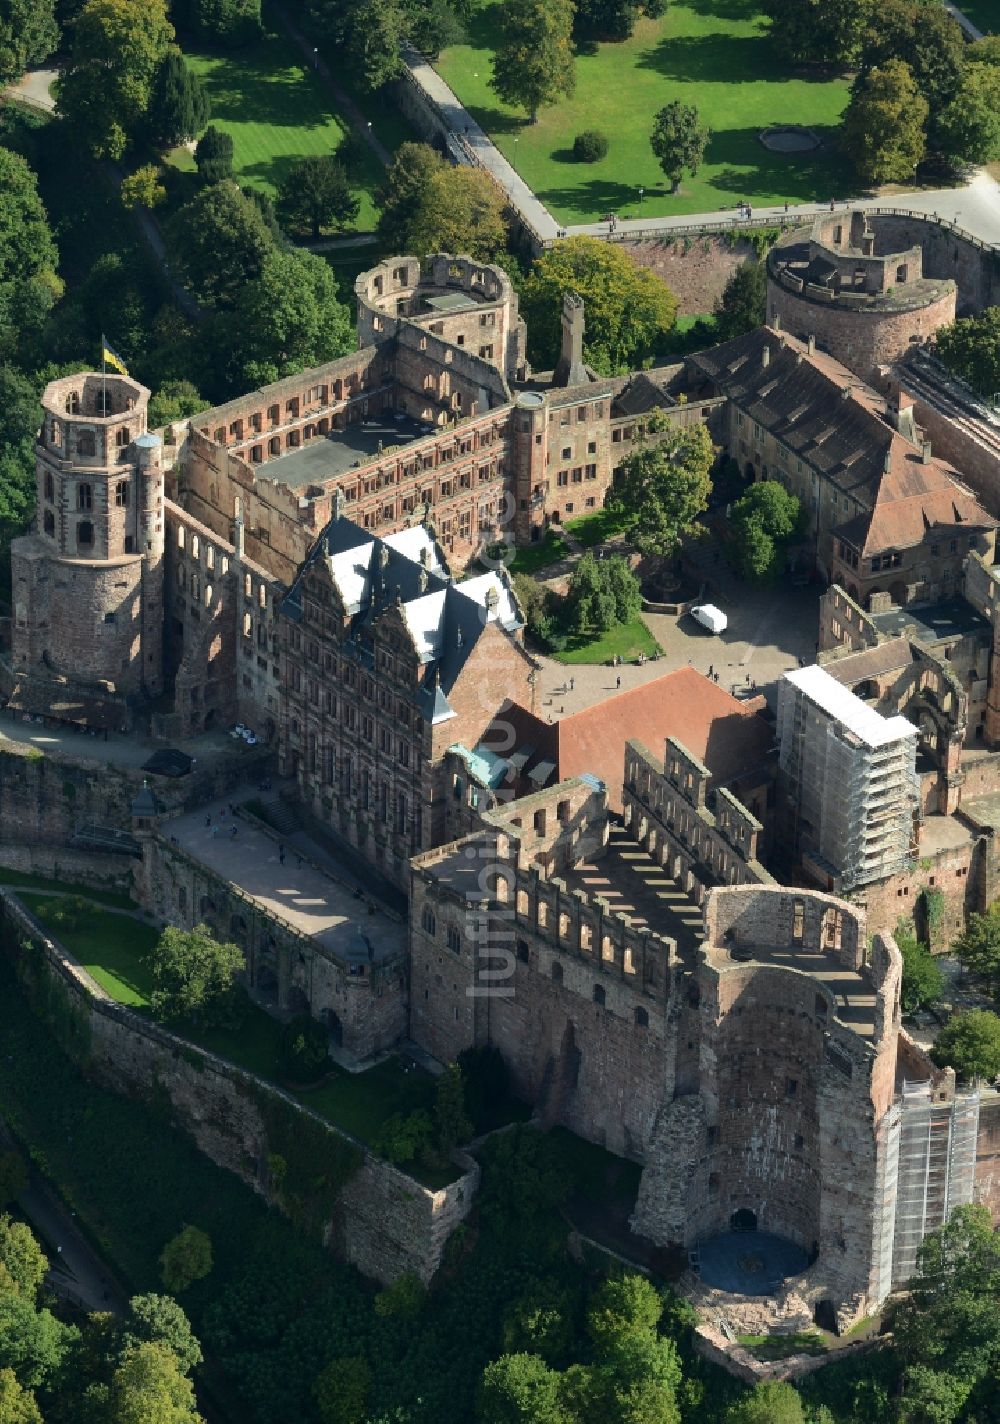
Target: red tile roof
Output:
[(720, 730)]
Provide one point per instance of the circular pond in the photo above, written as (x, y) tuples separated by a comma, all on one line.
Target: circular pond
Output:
[(749, 1262)]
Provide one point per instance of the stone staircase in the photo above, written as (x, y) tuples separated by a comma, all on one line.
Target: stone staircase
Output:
[(282, 816)]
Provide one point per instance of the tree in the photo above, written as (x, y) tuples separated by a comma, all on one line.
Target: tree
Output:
[(970, 348), (213, 155), (984, 51), (770, 1403), (27, 247), (175, 400), (17, 1405), (461, 210), (341, 1390), (533, 61), (227, 22), (28, 35), (304, 1048), (970, 1043), (520, 1389), (679, 140), (118, 49), (316, 194), (451, 1125), (193, 974), (159, 1319), (601, 594), (13, 1177), (376, 30), (434, 26), (947, 1328), (763, 521), (663, 490), (968, 130), (742, 307), (21, 1256), (179, 106), (20, 420), (218, 243), (623, 1307), (923, 980), (627, 308), (826, 32), (978, 946), (925, 38), (403, 1300), (149, 1387), (883, 130), (542, 1323), (605, 19), (401, 191), (289, 318), (33, 1343), (143, 188), (186, 1258)]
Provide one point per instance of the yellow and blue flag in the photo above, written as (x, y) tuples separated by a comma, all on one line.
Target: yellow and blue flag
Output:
[(111, 358)]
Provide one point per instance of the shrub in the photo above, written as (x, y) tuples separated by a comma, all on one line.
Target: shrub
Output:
[(303, 1052), (590, 146)]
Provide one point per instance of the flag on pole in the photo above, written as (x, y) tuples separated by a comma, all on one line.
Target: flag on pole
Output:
[(111, 358)]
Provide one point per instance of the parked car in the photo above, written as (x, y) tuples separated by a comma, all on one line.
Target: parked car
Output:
[(710, 617)]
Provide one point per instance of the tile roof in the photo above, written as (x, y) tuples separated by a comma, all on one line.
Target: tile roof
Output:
[(831, 420), (720, 730), (871, 662)]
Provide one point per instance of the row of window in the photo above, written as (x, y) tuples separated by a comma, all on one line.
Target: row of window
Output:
[(85, 494)]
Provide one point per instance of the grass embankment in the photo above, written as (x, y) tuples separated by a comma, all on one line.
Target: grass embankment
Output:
[(718, 57), (626, 641), (114, 949), (278, 110)]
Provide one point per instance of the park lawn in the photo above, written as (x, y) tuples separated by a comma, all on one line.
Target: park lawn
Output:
[(276, 110), (626, 641), (112, 948), (714, 54), (25, 880), (596, 528), (529, 558), (984, 14)]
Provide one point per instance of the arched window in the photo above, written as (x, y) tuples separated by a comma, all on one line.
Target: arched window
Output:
[(641, 1018), (428, 921), (86, 445), (85, 534), (49, 487), (557, 972), (84, 497), (122, 437), (49, 523), (72, 404), (600, 996), (454, 940), (121, 494)]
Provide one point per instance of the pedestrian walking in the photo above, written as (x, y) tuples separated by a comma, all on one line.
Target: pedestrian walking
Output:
[(233, 831), (281, 855), (711, 669), (208, 820), (618, 682), (748, 679), (572, 683)]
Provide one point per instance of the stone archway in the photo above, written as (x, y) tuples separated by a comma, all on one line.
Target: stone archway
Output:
[(743, 1220)]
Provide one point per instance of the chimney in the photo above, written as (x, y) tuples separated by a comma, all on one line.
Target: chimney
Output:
[(811, 346), (903, 418), (338, 502), (239, 540), (776, 321), (570, 370), (765, 356), (925, 452), (887, 462)]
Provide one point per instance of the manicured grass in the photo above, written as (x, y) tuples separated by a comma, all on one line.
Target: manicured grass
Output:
[(596, 528), (24, 880), (984, 14), (714, 54), (780, 1347), (532, 557), (276, 110), (110, 947), (627, 641)]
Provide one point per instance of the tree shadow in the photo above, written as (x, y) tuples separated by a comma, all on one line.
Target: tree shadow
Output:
[(496, 121), (747, 167), (483, 27), (724, 9), (713, 59), (563, 155), (597, 195), (241, 90)]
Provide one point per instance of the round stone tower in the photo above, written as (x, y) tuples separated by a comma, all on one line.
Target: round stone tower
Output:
[(87, 637)]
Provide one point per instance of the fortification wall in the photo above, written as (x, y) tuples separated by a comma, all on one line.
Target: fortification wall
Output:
[(381, 1220)]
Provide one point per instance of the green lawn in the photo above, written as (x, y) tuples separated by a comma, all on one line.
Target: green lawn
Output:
[(110, 947), (24, 880), (781, 1347), (532, 557), (627, 641), (712, 53), (596, 528), (277, 110)]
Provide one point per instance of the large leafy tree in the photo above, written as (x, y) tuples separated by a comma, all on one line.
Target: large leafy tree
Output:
[(627, 308), (289, 317), (226, 22), (968, 129), (33, 1343), (978, 947), (376, 30), (118, 49), (884, 128), (970, 347), (520, 1389), (742, 307), (179, 107), (826, 32), (13, 1176), (762, 522), (218, 243), (679, 140), (21, 1257), (925, 38), (28, 34), (970, 1043), (186, 1258), (29, 285), (17, 1405), (158, 1318), (401, 191), (947, 1328), (460, 210), (193, 974), (149, 1387), (533, 62), (341, 1390), (663, 490), (316, 194), (774, 1402), (923, 979), (213, 155), (602, 593)]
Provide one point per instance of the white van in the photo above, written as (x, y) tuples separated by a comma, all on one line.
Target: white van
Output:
[(710, 617)]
